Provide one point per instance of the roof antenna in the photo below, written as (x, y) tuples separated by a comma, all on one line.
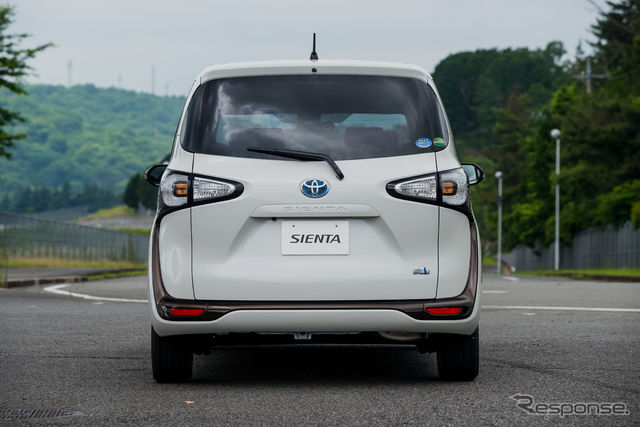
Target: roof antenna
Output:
[(314, 54)]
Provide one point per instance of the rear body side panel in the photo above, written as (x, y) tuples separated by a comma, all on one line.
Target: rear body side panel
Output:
[(454, 241), (181, 160), (454, 253), (175, 254)]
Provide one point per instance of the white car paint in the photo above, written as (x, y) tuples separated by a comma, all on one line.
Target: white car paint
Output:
[(231, 250)]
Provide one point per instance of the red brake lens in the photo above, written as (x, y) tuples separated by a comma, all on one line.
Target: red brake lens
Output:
[(186, 311), (444, 311)]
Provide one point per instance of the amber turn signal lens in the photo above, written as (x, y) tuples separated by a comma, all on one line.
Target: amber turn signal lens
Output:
[(180, 189), (449, 188)]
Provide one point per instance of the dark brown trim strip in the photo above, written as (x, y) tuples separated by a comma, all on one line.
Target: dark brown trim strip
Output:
[(216, 309)]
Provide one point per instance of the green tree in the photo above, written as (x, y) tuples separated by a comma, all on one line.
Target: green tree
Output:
[(106, 134), (617, 206), (498, 102), (147, 194), (635, 214), (474, 84), (138, 193), (512, 127), (600, 142), (13, 66), (617, 45), (130, 195)]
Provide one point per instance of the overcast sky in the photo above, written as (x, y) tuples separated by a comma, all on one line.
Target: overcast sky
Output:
[(108, 39)]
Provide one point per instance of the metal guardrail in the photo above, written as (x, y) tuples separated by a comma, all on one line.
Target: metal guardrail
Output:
[(26, 236), (600, 247)]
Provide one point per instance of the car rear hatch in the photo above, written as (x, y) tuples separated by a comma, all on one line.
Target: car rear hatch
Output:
[(297, 232), (242, 247)]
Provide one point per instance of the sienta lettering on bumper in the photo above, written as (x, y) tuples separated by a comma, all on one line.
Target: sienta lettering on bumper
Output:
[(315, 238)]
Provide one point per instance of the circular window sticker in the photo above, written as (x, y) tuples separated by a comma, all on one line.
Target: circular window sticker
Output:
[(423, 142), (439, 142)]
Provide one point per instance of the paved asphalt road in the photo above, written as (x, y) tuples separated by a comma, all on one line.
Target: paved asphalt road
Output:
[(92, 358)]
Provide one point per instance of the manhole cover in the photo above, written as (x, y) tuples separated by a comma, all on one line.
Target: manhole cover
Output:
[(23, 414)]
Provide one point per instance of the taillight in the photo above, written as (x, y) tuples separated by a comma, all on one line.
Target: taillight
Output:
[(187, 312), (447, 188), (422, 188), (174, 189), (178, 189), (444, 311), (207, 189), (454, 187)]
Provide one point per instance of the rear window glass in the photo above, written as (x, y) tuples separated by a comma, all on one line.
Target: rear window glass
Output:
[(345, 117)]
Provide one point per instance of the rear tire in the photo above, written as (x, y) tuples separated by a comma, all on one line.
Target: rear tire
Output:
[(458, 357), (171, 358)]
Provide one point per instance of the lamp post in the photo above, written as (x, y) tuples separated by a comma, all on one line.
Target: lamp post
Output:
[(498, 176), (555, 134)]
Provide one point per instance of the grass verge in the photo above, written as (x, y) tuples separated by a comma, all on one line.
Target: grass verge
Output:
[(143, 231), (114, 212), (489, 261), (23, 262)]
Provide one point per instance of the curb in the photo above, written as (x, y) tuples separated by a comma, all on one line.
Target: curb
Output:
[(594, 277), (598, 277), (33, 281), (23, 282)]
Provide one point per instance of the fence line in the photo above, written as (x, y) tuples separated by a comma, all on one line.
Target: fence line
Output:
[(66, 214), (600, 247), (33, 237)]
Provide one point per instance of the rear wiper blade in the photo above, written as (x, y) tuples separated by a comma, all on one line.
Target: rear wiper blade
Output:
[(300, 155)]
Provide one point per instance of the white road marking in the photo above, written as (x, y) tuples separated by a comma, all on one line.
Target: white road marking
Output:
[(513, 279), (551, 308), (492, 291), (57, 289), (528, 314)]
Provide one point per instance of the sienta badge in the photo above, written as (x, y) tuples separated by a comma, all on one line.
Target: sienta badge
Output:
[(423, 142), (439, 142)]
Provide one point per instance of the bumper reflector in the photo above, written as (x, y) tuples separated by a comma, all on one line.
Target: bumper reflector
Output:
[(444, 311), (186, 311)]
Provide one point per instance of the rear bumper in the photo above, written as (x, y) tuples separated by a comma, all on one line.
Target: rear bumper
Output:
[(313, 316), (315, 321)]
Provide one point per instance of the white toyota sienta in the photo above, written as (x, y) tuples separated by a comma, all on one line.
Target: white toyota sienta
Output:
[(314, 201)]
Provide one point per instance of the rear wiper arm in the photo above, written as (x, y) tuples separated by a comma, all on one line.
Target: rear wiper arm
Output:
[(300, 155)]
